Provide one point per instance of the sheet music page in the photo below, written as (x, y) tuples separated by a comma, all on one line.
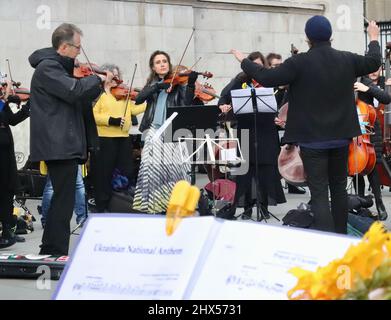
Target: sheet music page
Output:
[(228, 154), (120, 257), (251, 260), (242, 101)]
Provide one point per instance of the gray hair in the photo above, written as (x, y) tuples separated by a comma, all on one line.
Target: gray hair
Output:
[(111, 67), (64, 33)]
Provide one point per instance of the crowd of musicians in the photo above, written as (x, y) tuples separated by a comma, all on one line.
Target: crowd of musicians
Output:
[(73, 120)]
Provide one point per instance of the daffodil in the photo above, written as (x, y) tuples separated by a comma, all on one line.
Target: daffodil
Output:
[(353, 272)]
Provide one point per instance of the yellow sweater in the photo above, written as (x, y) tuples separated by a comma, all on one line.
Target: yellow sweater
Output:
[(108, 106)]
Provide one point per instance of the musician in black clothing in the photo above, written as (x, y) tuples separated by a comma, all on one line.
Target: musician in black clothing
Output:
[(371, 91), (8, 169), (271, 192), (274, 60), (322, 116)]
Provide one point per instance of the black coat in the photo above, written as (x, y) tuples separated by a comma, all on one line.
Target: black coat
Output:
[(60, 105), (368, 97), (321, 98), (8, 118), (179, 96)]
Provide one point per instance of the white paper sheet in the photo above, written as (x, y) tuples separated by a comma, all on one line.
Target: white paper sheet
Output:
[(242, 101), (132, 258), (250, 260)]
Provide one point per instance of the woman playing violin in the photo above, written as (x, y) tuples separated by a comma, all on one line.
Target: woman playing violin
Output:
[(371, 91), (159, 170), (159, 93), (113, 119), (271, 190)]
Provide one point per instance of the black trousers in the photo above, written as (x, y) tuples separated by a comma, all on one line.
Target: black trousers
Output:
[(327, 169), (55, 239), (6, 196), (6, 208), (113, 153)]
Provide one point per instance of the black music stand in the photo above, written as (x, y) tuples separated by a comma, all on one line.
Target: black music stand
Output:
[(192, 118), (258, 101)]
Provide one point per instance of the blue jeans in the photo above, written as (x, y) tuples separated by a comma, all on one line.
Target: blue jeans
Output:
[(80, 203)]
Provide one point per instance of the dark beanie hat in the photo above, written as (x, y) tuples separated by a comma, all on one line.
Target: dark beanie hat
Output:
[(318, 28)]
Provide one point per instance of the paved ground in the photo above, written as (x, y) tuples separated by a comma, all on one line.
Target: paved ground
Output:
[(28, 289)]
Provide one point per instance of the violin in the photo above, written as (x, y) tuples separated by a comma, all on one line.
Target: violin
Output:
[(205, 92), (82, 70), (182, 77), (22, 93), (121, 92)]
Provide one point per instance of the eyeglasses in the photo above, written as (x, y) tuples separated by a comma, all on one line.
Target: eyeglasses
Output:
[(75, 46)]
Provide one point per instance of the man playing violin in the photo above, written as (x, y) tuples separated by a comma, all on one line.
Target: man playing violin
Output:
[(59, 103), (322, 116)]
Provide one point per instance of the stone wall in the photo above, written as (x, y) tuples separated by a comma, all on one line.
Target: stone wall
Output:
[(126, 32), (379, 10)]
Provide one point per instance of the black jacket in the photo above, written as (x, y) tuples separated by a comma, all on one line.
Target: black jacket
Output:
[(8, 118), (59, 106), (374, 92), (321, 98), (179, 96)]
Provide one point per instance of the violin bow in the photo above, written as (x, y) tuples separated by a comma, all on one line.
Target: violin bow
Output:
[(130, 89), (180, 61), (10, 73), (9, 69), (198, 60), (88, 60)]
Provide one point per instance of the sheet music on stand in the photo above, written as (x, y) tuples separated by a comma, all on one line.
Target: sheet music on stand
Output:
[(258, 102), (242, 101)]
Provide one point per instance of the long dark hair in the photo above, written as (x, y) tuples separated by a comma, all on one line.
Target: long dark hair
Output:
[(253, 56), (153, 75), (257, 55)]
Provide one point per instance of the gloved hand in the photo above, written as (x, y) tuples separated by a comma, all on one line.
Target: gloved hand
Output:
[(115, 121), (26, 106), (192, 78), (14, 99), (162, 86)]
